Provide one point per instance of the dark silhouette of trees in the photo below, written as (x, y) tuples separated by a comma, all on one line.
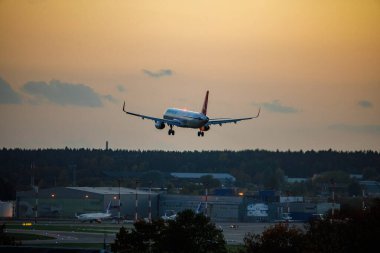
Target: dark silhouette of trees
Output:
[(6, 239), (145, 237), (348, 231), (280, 238), (53, 167), (190, 232)]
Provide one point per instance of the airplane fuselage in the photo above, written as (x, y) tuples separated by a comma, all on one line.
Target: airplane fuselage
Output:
[(93, 216), (174, 117), (187, 119)]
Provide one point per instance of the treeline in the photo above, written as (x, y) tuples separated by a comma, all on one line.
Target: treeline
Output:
[(56, 167)]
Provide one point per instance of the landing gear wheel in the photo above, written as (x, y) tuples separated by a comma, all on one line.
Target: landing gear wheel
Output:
[(203, 134), (199, 133), (171, 132)]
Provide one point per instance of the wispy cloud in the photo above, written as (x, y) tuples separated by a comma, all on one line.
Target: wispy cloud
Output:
[(365, 104), (368, 129), (158, 74), (64, 93), (110, 98), (276, 106), (120, 88), (7, 94)]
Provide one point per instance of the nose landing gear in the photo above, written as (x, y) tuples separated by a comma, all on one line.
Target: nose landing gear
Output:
[(201, 133)]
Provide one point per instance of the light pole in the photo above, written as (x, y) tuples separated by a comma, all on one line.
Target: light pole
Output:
[(363, 200), (36, 204), (136, 202), (53, 207), (206, 201), (332, 181), (150, 203), (119, 205)]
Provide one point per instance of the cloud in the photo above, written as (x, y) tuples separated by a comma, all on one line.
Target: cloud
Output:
[(64, 93), (7, 94), (368, 129), (276, 106), (110, 98), (365, 104), (158, 74), (120, 88)]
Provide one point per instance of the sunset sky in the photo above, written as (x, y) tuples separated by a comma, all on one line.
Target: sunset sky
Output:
[(313, 67)]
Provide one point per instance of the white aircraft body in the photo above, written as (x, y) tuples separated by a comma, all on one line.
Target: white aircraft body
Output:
[(97, 217), (171, 215), (188, 119)]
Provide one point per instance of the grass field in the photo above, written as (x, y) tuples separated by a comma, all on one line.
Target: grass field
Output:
[(72, 245), (110, 230), (22, 237)]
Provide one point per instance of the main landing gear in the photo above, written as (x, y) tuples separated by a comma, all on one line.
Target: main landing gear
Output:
[(171, 131), (201, 133)]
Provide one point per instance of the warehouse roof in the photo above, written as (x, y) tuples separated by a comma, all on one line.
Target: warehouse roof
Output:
[(188, 175), (108, 190)]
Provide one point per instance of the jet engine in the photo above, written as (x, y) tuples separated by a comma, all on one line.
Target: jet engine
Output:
[(205, 128), (159, 125)]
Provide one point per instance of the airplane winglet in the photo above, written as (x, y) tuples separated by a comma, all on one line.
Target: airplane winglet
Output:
[(258, 114), (124, 107)]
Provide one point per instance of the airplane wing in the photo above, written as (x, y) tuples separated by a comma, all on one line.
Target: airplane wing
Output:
[(166, 121), (221, 121)]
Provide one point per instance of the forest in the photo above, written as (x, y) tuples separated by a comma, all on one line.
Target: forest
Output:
[(93, 167)]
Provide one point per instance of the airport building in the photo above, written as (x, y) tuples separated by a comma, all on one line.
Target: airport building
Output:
[(65, 202), (218, 208)]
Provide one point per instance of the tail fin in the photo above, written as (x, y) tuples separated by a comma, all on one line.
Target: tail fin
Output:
[(204, 108), (199, 208), (108, 207)]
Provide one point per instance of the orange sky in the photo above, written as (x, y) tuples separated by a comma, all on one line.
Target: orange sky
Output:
[(312, 66)]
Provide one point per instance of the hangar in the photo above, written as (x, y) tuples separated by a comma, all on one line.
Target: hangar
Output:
[(65, 202)]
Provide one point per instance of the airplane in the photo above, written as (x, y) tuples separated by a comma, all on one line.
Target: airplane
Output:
[(188, 119), (97, 217), (171, 215)]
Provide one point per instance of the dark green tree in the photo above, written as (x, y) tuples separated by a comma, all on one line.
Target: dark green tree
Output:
[(348, 231), (280, 238), (190, 232), (142, 238), (209, 182), (6, 239)]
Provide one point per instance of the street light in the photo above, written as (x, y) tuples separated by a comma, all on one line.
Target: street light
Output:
[(119, 204), (136, 202)]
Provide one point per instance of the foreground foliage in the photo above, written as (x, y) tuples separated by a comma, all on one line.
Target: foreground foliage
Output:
[(190, 232), (6, 239), (355, 231), (54, 167)]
